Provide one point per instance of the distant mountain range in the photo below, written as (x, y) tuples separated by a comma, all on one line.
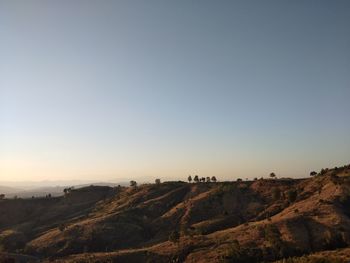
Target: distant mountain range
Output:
[(8, 190), (38, 189)]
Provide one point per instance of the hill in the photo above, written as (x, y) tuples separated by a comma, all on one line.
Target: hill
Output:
[(42, 191), (250, 221), (8, 190)]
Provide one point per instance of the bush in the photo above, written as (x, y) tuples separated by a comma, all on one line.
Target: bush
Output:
[(11, 240), (236, 254), (312, 259), (292, 195), (323, 171), (174, 236), (278, 246), (62, 227), (276, 193)]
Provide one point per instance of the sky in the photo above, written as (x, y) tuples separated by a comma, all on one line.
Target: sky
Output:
[(121, 90)]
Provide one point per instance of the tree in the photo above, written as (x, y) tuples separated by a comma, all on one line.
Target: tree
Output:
[(157, 181), (313, 173), (203, 179), (213, 178), (133, 183), (272, 175), (174, 236), (2, 196), (67, 190), (239, 180), (323, 171), (208, 179), (196, 179), (189, 178)]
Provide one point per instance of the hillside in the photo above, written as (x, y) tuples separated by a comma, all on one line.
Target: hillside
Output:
[(250, 221)]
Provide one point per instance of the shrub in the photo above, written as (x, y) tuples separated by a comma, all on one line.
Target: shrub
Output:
[(62, 227), (174, 236), (323, 171), (312, 259), (237, 254), (276, 193), (278, 246), (292, 195)]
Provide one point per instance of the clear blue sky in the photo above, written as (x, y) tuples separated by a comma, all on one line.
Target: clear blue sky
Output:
[(108, 90)]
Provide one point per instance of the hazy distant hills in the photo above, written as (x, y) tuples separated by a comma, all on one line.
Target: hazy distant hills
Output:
[(33, 190), (8, 190), (36, 192), (263, 220)]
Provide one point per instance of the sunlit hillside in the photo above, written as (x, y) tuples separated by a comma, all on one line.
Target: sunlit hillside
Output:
[(204, 221)]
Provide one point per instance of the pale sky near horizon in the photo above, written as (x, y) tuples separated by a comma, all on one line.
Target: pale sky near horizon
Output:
[(109, 90)]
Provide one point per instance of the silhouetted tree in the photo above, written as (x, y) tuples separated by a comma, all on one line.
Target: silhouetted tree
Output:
[(208, 179), (2, 196), (189, 178), (196, 179), (157, 181), (67, 190), (133, 183), (313, 173), (323, 171), (203, 179), (213, 178), (239, 180), (272, 175)]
